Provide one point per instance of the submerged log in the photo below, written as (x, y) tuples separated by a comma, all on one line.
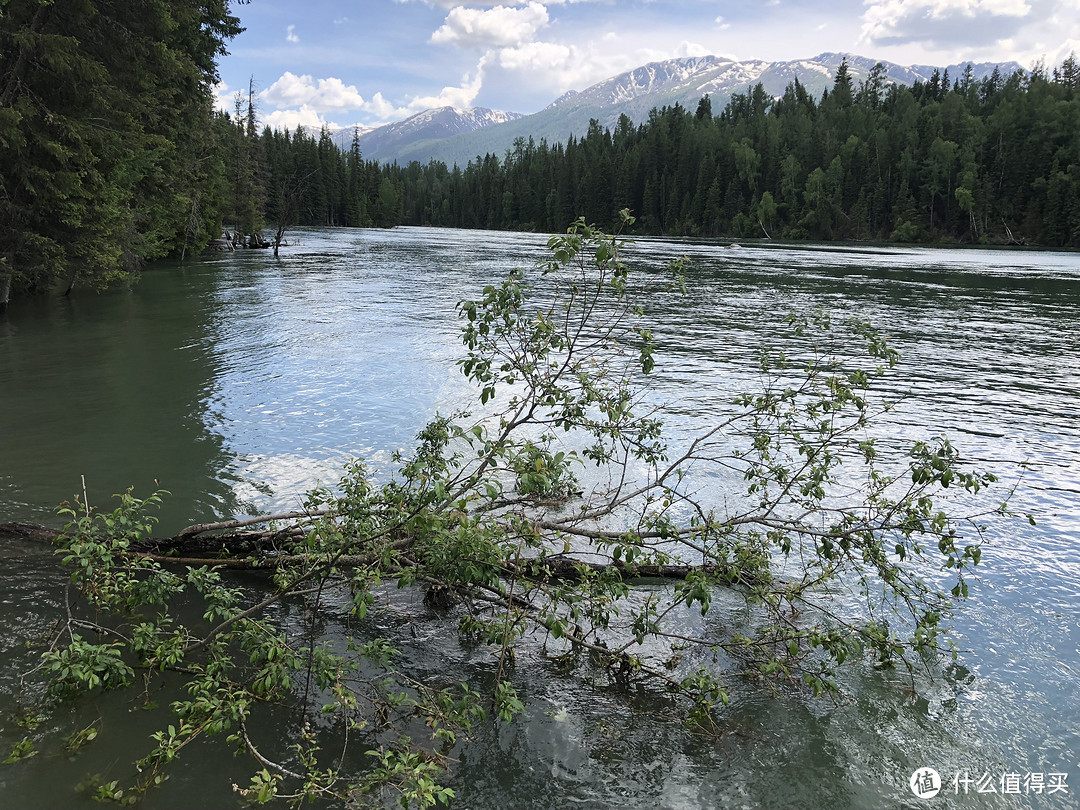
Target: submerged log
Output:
[(28, 531), (205, 541), (231, 544)]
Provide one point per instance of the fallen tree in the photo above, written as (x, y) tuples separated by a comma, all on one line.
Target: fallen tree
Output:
[(530, 524)]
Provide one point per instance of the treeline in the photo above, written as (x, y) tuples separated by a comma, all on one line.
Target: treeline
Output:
[(959, 159), (109, 153)]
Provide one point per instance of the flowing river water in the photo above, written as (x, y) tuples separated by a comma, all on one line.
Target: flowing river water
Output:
[(239, 381)]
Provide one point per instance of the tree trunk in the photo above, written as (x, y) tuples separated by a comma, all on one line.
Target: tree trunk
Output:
[(5, 290), (13, 80)]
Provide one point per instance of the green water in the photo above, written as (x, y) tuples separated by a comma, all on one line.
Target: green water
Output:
[(240, 381)]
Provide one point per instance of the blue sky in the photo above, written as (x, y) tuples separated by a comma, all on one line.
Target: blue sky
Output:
[(369, 62)]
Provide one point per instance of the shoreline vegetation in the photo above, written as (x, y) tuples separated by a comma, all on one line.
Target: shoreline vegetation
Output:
[(954, 159)]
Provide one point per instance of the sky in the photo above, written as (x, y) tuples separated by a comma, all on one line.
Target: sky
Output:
[(371, 62)]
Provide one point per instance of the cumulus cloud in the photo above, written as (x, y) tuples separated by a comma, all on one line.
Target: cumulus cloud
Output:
[(490, 3), (539, 56), (320, 95), (500, 26), (558, 67), (305, 116), (290, 34), (452, 96), (687, 49), (307, 101), (942, 22), (380, 107)]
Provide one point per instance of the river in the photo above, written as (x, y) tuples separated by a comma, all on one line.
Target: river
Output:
[(239, 381)]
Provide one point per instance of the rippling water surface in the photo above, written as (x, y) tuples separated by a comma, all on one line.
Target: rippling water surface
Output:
[(240, 381)]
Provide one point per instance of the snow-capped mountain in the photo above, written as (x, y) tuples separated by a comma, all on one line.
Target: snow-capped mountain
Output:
[(645, 81), (685, 81), (410, 138), (635, 93)]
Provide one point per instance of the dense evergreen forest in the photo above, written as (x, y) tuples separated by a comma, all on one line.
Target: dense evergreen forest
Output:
[(108, 155), (111, 155), (995, 160)]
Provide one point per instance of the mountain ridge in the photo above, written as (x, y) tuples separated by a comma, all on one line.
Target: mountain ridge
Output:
[(633, 93), (413, 133)]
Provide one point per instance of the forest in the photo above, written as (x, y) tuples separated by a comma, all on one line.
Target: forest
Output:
[(106, 154), (113, 155), (954, 159)]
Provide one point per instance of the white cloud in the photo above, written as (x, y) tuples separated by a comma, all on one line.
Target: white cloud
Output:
[(490, 3), (1071, 47), (538, 56), (222, 97), (687, 49), (290, 34), (975, 30), (304, 100), (380, 107), (500, 26), (305, 116), (452, 96), (644, 55), (942, 31), (974, 22), (1062, 26), (556, 68), (321, 95)]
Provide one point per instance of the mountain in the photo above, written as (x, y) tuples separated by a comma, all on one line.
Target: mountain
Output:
[(685, 81), (413, 138), (636, 92)]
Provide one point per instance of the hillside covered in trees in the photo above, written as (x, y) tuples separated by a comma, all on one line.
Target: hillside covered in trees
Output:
[(996, 160), (112, 155)]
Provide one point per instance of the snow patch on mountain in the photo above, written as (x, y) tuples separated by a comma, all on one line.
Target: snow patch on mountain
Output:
[(401, 138)]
